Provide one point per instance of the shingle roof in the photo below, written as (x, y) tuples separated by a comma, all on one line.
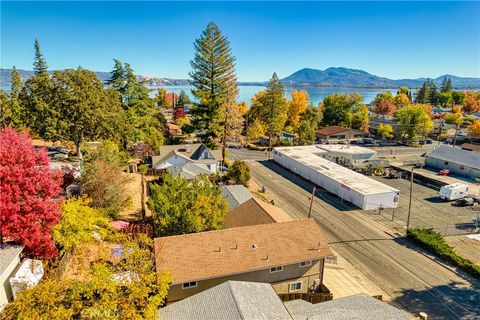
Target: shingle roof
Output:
[(189, 170), (236, 195), (205, 255), (331, 130), (230, 300), (254, 212), (7, 254), (456, 155), (360, 306)]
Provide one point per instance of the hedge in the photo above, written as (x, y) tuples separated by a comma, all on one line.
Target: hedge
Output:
[(433, 242)]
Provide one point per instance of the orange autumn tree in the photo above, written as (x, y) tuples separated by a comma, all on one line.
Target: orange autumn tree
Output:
[(472, 102), (474, 129), (297, 106)]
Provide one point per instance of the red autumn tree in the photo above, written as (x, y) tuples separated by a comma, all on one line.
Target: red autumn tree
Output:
[(179, 113), (29, 194), (385, 108)]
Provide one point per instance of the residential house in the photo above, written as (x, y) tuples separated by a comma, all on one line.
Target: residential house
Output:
[(235, 195), (175, 155), (189, 170), (232, 300), (375, 123), (254, 212), (9, 262), (340, 133), (289, 255), (240, 300), (360, 306), (462, 162)]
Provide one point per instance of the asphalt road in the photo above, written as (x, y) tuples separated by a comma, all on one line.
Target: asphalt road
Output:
[(411, 278)]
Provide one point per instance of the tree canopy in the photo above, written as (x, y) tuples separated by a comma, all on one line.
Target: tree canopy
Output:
[(345, 110), (414, 121), (214, 81), (29, 197), (181, 207)]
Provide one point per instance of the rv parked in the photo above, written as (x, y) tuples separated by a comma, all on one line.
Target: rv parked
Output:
[(453, 191)]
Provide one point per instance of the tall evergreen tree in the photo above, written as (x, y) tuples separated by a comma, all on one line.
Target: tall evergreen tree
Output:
[(271, 107), (133, 89), (17, 82), (15, 118), (39, 64), (446, 85), (214, 80), (116, 81)]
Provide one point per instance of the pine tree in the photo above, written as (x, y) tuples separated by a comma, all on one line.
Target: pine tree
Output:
[(446, 85), (116, 81), (274, 107), (214, 80), (39, 64), (133, 89), (15, 117), (16, 83)]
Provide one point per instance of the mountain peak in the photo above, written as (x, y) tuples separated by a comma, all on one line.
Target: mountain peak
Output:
[(346, 77)]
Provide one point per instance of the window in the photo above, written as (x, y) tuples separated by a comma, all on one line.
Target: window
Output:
[(462, 168), (446, 163), (296, 286), (305, 263), (191, 284), (276, 269)]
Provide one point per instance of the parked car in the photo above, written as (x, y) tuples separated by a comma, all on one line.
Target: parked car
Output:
[(444, 172), (466, 202)]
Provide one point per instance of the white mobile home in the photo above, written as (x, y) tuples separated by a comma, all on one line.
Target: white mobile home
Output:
[(364, 192)]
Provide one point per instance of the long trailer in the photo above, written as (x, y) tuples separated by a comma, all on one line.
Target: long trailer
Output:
[(363, 192)]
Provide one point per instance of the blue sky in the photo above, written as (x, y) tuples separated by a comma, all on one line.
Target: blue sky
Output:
[(391, 39)]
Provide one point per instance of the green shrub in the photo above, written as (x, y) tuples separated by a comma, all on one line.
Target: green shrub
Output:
[(433, 242)]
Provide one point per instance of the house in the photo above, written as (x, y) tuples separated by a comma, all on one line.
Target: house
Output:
[(232, 300), (9, 261), (289, 255), (189, 170), (340, 133), (462, 162), (174, 155), (360, 306), (236, 195), (375, 123), (240, 300), (254, 212), (350, 155)]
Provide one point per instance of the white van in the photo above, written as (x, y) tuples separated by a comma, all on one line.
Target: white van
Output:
[(453, 191)]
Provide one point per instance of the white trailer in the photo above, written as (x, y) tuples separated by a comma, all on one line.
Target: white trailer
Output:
[(364, 192), (453, 191)]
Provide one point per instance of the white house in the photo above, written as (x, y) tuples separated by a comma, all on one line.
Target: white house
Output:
[(178, 155), (9, 261)]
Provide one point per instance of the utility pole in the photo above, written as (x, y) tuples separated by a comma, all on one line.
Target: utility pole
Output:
[(455, 137), (410, 200), (311, 201)]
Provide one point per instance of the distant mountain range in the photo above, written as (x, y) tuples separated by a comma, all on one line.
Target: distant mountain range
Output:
[(331, 77), (344, 77)]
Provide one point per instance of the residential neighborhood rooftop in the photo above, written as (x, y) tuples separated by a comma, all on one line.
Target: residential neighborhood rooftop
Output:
[(254, 212), (332, 130), (236, 195), (230, 300), (189, 170), (349, 178), (205, 255), (360, 306)]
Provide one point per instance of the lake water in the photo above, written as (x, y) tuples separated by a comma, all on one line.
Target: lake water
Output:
[(247, 92), (316, 94)]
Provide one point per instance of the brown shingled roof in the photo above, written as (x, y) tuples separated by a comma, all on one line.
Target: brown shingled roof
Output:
[(254, 212), (331, 130), (206, 255)]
